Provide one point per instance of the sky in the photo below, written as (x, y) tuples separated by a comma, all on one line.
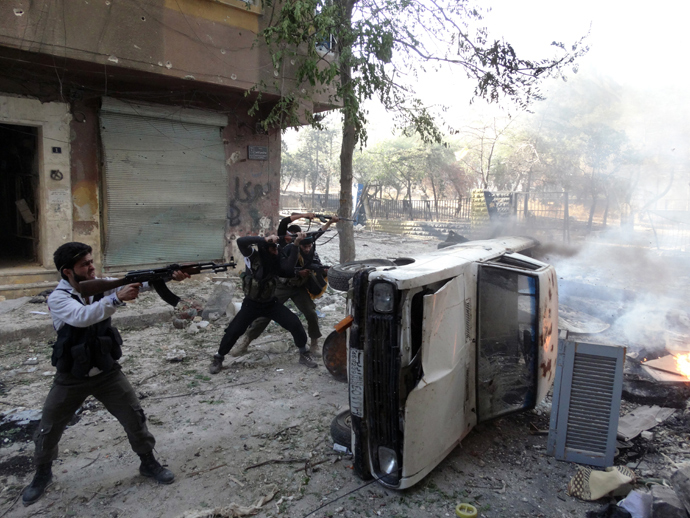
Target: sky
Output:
[(638, 44)]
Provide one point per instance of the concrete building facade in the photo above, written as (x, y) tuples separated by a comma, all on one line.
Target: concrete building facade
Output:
[(125, 124)]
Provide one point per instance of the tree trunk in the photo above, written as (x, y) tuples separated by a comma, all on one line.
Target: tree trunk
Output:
[(591, 213), (606, 209), (347, 233), (347, 151)]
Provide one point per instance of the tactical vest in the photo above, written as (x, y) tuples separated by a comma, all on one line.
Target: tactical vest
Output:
[(78, 349), (254, 289)]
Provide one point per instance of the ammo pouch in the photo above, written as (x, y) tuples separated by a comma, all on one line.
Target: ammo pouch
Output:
[(78, 350), (260, 291)]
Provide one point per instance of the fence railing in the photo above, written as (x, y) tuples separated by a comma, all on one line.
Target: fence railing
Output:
[(424, 210), (667, 230)]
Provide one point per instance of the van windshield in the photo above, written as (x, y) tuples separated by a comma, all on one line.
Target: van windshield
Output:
[(507, 342)]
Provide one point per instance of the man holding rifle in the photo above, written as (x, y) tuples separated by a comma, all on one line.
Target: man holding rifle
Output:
[(85, 355), (264, 264), (295, 288)]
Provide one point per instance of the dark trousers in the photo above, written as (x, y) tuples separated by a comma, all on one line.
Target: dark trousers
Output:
[(272, 310), (300, 296), (66, 396)]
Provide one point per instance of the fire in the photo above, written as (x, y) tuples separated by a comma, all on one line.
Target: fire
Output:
[(683, 364)]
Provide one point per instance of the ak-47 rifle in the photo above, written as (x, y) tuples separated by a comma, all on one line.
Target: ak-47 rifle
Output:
[(156, 277), (323, 218)]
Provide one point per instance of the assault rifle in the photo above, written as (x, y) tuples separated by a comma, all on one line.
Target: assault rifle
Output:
[(323, 218), (156, 277)]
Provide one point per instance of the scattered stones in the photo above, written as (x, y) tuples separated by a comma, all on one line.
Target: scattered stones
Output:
[(666, 503)]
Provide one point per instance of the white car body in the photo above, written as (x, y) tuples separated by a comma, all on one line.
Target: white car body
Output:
[(460, 335)]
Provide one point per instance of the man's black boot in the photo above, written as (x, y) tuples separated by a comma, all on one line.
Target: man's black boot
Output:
[(216, 364), (38, 485), (150, 467)]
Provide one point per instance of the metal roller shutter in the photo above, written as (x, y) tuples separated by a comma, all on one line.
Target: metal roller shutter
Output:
[(165, 186)]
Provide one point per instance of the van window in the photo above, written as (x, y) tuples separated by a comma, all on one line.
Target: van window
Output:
[(507, 342)]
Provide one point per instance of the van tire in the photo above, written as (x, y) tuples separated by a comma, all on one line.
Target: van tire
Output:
[(341, 429), (339, 275)]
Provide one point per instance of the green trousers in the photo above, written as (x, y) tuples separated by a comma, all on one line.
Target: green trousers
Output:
[(68, 393)]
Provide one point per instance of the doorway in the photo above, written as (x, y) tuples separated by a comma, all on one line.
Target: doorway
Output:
[(18, 188)]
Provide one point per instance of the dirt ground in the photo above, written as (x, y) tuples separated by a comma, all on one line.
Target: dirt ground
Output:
[(261, 427)]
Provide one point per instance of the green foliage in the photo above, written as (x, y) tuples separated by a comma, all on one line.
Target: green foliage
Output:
[(381, 47)]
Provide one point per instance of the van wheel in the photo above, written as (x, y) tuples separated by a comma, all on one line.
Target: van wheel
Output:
[(341, 429), (339, 275)]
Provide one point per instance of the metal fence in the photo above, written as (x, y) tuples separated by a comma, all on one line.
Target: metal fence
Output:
[(414, 210), (424, 210), (665, 229)]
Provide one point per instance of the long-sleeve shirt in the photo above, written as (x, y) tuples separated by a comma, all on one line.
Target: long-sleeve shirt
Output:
[(270, 265), (285, 223), (64, 309)]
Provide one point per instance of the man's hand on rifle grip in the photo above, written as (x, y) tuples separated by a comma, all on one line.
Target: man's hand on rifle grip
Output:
[(179, 275), (300, 237), (129, 292)]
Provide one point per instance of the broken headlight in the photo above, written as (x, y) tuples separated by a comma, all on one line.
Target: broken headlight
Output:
[(383, 297), (388, 461)]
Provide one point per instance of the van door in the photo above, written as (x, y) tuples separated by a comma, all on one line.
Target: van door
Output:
[(507, 338)]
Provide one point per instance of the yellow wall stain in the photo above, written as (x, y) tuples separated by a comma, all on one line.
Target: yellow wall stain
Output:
[(228, 12)]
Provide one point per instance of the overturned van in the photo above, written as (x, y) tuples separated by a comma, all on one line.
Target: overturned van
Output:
[(439, 343)]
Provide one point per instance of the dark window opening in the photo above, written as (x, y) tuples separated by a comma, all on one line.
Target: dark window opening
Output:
[(18, 194), (507, 348)]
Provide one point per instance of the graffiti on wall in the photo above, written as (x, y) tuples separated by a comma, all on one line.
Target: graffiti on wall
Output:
[(244, 202)]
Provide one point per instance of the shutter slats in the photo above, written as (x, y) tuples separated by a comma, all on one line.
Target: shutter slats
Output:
[(584, 419), (166, 191)]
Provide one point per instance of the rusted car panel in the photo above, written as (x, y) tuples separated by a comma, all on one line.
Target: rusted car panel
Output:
[(458, 336)]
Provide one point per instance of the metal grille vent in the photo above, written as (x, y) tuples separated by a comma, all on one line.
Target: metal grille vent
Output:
[(586, 403), (468, 319), (590, 403), (383, 373)]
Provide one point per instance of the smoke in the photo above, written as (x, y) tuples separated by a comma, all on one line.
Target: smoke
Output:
[(639, 291)]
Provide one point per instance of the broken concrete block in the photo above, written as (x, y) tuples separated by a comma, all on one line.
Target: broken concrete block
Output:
[(681, 484), (666, 504), (219, 299)]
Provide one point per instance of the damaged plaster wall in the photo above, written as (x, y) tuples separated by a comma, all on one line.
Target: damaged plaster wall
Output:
[(254, 185), (85, 173), (54, 191)]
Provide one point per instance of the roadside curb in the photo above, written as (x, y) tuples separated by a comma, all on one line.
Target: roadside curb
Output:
[(45, 331)]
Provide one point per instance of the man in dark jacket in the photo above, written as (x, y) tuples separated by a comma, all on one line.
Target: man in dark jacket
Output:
[(85, 355), (295, 288), (264, 264)]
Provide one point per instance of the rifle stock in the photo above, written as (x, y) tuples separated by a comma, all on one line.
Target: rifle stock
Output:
[(96, 286)]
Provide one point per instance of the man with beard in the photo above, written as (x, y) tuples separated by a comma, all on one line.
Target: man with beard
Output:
[(85, 355)]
